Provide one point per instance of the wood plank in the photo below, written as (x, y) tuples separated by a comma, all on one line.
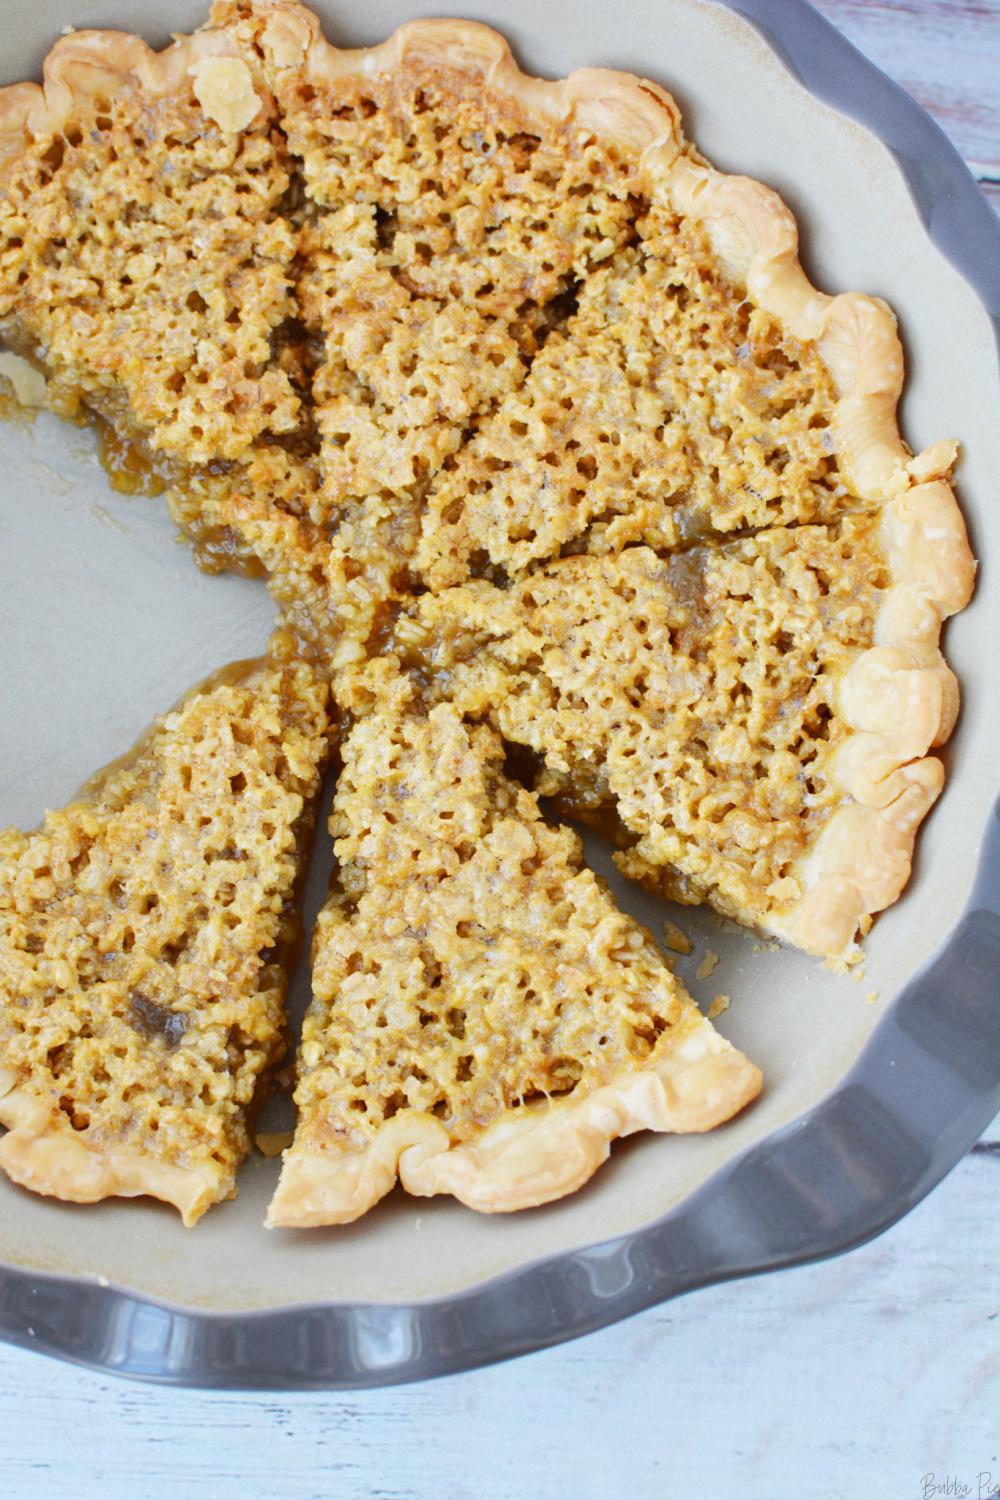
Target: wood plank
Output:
[(946, 53)]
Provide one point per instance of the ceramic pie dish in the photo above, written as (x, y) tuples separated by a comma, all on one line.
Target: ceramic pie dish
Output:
[(832, 1152)]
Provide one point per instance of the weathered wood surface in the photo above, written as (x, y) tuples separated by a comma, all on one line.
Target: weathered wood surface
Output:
[(946, 53), (874, 1375)]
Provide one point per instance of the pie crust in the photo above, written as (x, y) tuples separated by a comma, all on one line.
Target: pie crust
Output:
[(86, 67), (527, 1157)]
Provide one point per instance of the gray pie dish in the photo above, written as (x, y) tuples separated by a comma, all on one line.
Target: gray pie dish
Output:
[(885, 1121)]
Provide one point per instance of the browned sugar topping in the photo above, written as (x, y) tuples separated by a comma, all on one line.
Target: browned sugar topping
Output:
[(666, 409), (454, 224)]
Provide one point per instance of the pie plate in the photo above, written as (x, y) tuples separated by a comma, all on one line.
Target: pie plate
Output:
[(874, 1086)]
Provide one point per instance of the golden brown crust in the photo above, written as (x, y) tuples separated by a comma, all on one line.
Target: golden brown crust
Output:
[(88, 66), (42, 1152), (526, 1157), (900, 698), (633, 111)]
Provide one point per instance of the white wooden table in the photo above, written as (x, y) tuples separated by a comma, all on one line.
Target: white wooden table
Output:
[(875, 1376)]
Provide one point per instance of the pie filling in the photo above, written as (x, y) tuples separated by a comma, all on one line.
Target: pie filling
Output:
[(538, 431)]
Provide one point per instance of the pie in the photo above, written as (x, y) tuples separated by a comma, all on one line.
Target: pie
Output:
[(536, 427), (145, 936)]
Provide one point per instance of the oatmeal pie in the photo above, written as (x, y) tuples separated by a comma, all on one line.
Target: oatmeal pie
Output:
[(400, 325), (484, 1020), (145, 934)]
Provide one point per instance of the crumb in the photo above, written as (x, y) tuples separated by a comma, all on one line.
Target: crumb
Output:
[(845, 963), (718, 1005), (106, 518), (67, 31), (285, 1079), (723, 923), (273, 1145), (707, 965), (871, 997), (675, 939), (223, 87), (27, 382)]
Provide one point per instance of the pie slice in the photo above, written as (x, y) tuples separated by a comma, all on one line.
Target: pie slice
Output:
[(144, 257), (145, 934), (669, 409), (484, 1020)]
